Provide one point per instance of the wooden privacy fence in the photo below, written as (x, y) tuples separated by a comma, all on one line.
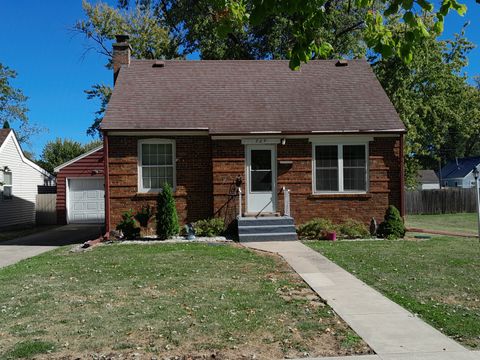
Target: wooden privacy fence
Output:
[(441, 201), (46, 209)]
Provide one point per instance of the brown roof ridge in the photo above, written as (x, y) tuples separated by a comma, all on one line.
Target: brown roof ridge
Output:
[(363, 60)]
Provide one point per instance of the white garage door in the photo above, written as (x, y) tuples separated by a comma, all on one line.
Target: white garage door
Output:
[(86, 200)]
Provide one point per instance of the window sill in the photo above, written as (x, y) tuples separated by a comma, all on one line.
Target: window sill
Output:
[(340, 196)]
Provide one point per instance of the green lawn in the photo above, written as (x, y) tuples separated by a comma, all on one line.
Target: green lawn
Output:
[(165, 300), (463, 222), (437, 278)]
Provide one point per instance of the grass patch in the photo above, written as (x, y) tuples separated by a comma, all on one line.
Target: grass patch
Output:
[(463, 222), (437, 279), (168, 300), (29, 348)]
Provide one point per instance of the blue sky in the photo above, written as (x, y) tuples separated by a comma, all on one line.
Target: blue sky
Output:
[(53, 69)]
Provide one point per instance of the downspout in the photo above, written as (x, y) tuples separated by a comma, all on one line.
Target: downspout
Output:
[(402, 177), (107, 185)]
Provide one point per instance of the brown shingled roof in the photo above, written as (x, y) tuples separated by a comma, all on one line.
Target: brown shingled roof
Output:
[(235, 96), (3, 135)]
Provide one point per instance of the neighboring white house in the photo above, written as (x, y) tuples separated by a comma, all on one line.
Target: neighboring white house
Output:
[(19, 181), (428, 180), (459, 172)]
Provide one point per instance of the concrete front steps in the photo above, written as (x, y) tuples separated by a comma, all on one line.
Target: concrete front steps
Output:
[(268, 228)]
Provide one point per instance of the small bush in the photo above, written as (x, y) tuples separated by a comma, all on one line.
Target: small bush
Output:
[(128, 226), (167, 218), (353, 229), (145, 215), (392, 227), (315, 229), (210, 227)]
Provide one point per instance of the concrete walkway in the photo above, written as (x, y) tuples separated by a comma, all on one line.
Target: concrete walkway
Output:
[(14, 250), (390, 330)]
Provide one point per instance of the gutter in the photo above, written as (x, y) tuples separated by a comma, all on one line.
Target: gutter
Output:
[(402, 177), (107, 184)]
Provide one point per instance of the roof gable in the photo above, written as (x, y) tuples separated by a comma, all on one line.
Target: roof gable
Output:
[(456, 169), (427, 177), (10, 136), (84, 155), (235, 96)]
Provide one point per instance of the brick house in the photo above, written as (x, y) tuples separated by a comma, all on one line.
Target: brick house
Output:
[(326, 137)]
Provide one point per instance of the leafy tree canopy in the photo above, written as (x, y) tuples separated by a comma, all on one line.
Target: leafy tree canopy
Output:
[(150, 39), (13, 108), (435, 101), (60, 151), (310, 15)]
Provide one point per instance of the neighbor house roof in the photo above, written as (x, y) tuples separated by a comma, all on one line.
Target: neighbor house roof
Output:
[(459, 168), (6, 134), (84, 155), (3, 135), (246, 96), (427, 177)]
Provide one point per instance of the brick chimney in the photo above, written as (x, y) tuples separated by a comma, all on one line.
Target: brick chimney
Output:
[(121, 54)]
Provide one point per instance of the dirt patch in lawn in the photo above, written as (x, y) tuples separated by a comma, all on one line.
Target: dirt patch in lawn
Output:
[(187, 301)]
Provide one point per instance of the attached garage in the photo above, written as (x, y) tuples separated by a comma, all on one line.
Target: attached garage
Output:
[(86, 201), (81, 189)]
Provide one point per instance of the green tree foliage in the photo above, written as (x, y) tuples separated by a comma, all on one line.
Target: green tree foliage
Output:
[(101, 93), (310, 15), (60, 151), (149, 39), (167, 218), (392, 226), (435, 101), (13, 108), (198, 26)]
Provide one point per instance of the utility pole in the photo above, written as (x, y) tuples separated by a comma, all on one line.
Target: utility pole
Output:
[(476, 174)]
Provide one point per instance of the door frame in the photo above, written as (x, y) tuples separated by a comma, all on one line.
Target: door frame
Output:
[(273, 149), (67, 193)]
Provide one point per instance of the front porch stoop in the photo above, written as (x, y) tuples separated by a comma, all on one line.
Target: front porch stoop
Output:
[(268, 228)]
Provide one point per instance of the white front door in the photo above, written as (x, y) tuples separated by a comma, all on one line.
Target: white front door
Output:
[(261, 178), (86, 200)]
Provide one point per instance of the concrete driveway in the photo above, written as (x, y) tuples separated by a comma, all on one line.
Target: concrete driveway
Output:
[(14, 250)]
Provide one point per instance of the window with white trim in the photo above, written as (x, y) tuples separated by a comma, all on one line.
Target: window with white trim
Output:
[(7, 193), (340, 168), (156, 164)]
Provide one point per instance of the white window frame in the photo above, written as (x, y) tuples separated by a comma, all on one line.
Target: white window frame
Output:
[(340, 145), (10, 186), (141, 189)]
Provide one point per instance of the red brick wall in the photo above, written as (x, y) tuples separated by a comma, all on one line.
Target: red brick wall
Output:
[(384, 184), (384, 177), (228, 160), (89, 166), (194, 178), (207, 170)]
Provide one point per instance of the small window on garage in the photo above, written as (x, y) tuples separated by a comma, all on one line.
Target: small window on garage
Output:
[(156, 164), (7, 193)]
